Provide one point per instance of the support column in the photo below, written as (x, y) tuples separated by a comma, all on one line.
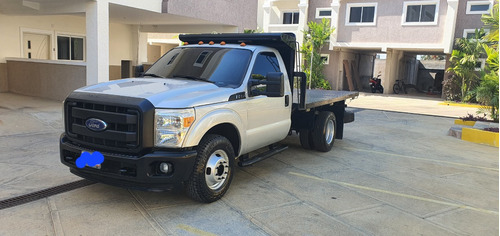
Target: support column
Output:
[(97, 26), (303, 5), (392, 69), (334, 21), (142, 50), (449, 26), (267, 15)]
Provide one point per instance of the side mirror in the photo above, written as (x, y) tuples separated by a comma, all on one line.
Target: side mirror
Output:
[(275, 82)]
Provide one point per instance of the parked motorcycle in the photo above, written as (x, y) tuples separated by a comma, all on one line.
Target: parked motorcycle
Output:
[(376, 84)]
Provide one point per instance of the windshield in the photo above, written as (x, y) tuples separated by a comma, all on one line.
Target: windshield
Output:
[(225, 67)]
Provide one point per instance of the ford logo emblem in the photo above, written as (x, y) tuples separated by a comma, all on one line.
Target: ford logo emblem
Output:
[(96, 124)]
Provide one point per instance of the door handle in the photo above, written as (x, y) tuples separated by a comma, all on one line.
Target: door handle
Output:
[(287, 100)]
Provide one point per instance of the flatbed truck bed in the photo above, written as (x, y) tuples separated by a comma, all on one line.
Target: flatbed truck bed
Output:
[(318, 97)]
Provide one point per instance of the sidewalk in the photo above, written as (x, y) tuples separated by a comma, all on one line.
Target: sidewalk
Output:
[(411, 103)]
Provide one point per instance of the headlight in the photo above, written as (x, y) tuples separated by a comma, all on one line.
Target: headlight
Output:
[(171, 126)]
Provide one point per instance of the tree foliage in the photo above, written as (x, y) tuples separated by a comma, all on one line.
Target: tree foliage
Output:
[(464, 59), (319, 34), (487, 91), (482, 86)]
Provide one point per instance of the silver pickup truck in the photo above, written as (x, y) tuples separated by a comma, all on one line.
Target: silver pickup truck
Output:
[(199, 110)]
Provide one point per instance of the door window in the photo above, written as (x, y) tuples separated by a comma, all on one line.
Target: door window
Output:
[(264, 63)]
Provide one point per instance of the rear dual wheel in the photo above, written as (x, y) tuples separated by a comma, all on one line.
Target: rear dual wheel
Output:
[(322, 137)]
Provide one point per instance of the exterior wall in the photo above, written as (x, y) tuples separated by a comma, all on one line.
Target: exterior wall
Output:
[(11, 30), (121, 36), (154, 53), (4, 83), (241, 13), (334, 71), (115, 72), (388, 29), (45, 78), (466, 21), (121, 43), (311, 16)]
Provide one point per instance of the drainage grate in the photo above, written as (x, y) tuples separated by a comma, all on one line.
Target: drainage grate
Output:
[(16, 201)]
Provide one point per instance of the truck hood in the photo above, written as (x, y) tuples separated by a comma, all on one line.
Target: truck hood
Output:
[(164, 93)]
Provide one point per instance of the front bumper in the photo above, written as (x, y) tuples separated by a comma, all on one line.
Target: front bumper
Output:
[(138, 172)]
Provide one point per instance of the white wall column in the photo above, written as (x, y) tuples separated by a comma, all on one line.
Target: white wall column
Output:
[(303, 5), (449, 26), (142, 50), (266, 15), (392, 69), (334, 21), (97, 26)]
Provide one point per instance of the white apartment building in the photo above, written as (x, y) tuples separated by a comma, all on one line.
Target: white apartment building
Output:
[(50, 47), (401, 29)]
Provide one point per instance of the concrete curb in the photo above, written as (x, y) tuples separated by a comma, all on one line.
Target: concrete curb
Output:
[(480, 136), (472, 131)]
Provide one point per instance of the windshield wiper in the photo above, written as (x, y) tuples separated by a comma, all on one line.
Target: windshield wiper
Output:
[(192, 78), (152, 75)]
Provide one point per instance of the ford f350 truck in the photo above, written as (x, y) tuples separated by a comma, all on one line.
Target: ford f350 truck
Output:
[(199, 110)]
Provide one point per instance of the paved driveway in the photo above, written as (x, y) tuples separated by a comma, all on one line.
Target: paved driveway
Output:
[(392, 174)]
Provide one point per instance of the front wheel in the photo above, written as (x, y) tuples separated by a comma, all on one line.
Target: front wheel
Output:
[(213, 170), (324, 131)]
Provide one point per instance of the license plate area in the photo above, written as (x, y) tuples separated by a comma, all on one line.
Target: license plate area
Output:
[(98, 166)]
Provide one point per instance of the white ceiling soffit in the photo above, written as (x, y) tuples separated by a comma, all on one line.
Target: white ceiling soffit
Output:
[(42, 7), (134, 16), (117, 13)]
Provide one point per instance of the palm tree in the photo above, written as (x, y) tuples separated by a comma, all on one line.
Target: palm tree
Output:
[(487, 92), (464, 61)]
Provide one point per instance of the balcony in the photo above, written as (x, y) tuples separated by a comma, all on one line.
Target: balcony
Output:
[(294, 28)]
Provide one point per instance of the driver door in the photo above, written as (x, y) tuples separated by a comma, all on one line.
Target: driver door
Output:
[(268, 118)]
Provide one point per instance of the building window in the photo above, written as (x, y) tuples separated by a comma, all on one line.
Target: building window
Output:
[(480, 63), (325, 58), (361, 13), (70, 48), (420, 13), (323, 13), (478, 7), (290, 18), (471, 33)]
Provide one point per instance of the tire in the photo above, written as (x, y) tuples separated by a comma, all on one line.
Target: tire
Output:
[(325, 129), (396, 89), (373, 89), (381, 89), (306, 140), (213, 169)]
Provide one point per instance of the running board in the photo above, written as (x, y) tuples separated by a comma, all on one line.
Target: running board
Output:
[(273, 149)]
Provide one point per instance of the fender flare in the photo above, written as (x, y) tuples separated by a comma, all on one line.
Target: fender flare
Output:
[(210, 120)]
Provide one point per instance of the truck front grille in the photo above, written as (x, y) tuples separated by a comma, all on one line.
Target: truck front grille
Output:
[(122, 131)]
